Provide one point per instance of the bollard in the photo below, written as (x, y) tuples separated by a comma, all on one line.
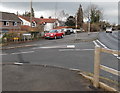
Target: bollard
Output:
[(96, 66)]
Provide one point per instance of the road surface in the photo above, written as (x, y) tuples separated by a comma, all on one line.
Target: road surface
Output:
[(62, 53)]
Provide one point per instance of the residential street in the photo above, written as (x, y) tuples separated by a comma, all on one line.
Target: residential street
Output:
[(62, 53), (60, 46)]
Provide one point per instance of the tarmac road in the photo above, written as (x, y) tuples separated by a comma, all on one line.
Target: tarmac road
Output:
[(62, 53)]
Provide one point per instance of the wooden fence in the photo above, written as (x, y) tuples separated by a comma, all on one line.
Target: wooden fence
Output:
[(97, 65)]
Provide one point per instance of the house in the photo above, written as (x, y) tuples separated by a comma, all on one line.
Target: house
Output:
[(46, 23), (9, 22)]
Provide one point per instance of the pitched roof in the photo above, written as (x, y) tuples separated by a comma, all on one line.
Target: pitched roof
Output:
[(9, 17), (47, 20), (60, 27), (39, 20)]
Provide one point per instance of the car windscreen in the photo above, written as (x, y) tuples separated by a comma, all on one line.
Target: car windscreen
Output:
[(53, 31)]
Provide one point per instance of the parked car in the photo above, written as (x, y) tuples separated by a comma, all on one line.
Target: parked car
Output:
[(109, 30), (78, 30), (68, 31), (55, 33)]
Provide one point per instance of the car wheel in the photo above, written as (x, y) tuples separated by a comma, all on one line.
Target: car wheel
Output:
[(55, 37), (62, 36)]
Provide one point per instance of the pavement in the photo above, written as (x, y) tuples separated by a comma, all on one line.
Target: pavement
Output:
[(80, 37), (87, 36), (29, 77)]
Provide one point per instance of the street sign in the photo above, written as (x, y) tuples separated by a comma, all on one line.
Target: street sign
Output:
[(89, 20)]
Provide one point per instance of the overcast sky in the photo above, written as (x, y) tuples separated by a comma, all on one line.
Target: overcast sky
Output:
[(46, 9)]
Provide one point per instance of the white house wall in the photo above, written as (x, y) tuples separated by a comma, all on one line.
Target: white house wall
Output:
[(25, 22), (48, 26)]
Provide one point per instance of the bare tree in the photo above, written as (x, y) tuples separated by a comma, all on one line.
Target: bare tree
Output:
[(95, 13)]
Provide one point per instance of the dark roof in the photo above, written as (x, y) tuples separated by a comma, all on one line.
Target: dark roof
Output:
[(9, 17)]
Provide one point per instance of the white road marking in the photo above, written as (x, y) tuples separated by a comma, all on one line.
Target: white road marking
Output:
[(73, 69), (70, 46), (22, 52), (101, 44), (118, 57), (15, 53), (3, 54), (16, 63), (61, 46), (75, 49), (115, 55), (36, 48), (28, 52), (95, 43), (49, 47)]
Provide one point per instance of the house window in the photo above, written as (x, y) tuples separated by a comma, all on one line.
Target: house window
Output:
[(33, 24), (14, 23), (5, 23)]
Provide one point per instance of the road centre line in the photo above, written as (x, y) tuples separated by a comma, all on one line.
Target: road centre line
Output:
[(62, 50), (61, 46), (22, 52)]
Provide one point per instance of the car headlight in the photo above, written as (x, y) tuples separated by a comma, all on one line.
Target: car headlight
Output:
[(51, 34)]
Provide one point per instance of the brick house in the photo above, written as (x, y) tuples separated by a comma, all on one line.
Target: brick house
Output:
[(9, 22)]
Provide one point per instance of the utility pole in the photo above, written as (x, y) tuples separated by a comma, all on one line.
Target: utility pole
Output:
[(31, 14), (76, 26), (89, 19), (76, 23), (89, 24)]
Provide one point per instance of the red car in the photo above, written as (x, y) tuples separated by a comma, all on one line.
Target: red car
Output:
[(55, 33)]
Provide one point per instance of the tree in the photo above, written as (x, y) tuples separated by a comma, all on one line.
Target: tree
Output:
[(80, 16), (17, 13), (94, 12), (70, 21), (28, 14), (42, 17), (33, 15)]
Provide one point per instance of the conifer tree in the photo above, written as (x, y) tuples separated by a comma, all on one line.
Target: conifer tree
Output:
[(80, 16)]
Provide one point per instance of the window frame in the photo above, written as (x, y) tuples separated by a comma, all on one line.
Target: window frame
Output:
[(15, 23), (6, 24)]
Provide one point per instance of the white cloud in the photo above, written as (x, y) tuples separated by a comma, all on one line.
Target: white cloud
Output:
[(110, 10), (4, 9), (112, 13), (45, 13)]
